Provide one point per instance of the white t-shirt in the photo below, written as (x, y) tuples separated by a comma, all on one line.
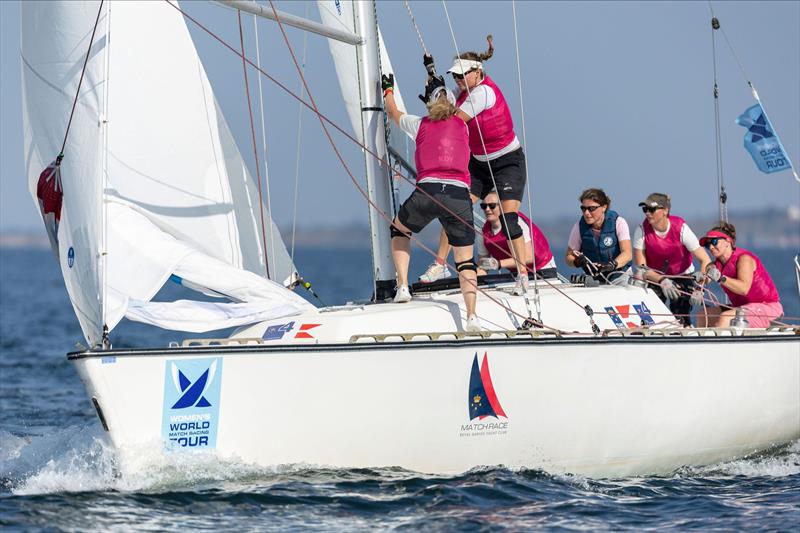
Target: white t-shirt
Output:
[(688, 239), (481, 98), (526, 235), (410, 124), (623, 233)]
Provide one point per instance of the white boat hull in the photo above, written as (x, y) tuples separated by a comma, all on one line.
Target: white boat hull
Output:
[(602, 407)]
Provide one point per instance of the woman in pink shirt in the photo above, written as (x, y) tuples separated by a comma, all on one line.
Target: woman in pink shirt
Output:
[(744, 279)]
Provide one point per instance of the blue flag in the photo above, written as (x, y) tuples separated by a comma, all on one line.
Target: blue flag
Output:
[(762, 142)]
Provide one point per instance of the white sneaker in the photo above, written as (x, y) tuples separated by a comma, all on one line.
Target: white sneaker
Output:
[(403, 295), (435, 272), (521, 286), (473, 324)]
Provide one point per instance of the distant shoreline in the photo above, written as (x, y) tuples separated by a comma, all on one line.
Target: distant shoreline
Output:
[(765, 229)]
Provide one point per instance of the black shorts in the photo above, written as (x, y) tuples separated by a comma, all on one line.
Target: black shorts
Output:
[(419, 210), (509, 174)]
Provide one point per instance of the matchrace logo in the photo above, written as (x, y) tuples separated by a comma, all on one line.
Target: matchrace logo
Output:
[(486, 415), (191, 403)]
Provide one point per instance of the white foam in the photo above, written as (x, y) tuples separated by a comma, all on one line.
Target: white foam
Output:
[(80, 458)]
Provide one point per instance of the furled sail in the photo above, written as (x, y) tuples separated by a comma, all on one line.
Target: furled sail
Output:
[(149, 144), (339, 14)]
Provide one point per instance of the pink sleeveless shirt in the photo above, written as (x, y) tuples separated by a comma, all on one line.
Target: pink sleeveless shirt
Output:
[(666, 254), (443, 150), (762, 289), (497, 245), (495, 123)]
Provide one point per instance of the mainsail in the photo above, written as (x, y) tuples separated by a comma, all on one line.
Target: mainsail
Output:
[(339, 14), (152, 178)]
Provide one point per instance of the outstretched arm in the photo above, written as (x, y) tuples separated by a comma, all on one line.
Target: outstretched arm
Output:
[(387, 84)]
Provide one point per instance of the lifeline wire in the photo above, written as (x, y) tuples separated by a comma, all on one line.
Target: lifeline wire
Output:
[(253, 136)]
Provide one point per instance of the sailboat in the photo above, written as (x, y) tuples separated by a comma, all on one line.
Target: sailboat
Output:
[(600, 383)]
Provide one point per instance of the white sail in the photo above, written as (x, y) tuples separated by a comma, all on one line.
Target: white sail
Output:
[(339, 14), (147, 136), (54, 40)]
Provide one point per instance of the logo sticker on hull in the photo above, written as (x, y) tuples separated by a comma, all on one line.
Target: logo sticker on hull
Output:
[(621, 315), (303, 332), (191, 402), (486, 415), (274, 333)]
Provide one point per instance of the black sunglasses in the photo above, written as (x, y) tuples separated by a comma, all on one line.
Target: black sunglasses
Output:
[(713, 241), (590, 208), (461, 76), (648, 209), (492, 205)]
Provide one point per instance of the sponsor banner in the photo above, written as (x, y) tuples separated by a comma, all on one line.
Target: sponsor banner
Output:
[(191, 402)]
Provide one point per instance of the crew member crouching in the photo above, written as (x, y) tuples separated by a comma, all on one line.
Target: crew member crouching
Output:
[(494, 251)]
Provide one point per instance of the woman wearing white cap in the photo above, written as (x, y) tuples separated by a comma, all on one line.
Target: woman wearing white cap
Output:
[(497, 159), (665, 244)]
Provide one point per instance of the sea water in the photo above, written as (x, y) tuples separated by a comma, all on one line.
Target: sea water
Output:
[(57, 470)]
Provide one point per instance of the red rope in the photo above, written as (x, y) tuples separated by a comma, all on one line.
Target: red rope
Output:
[(255, 149)]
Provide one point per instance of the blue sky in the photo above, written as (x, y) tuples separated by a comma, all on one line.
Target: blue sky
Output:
[(616, 95)]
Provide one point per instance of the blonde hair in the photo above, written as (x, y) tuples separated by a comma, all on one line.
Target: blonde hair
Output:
[(441, 109)]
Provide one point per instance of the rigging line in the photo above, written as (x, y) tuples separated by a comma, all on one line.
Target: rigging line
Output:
[(255, 148), (80, 82), (264, 139), (536, 298), (336, 150), (323, 118), (520, 263), (344, 164), (316, 111), (299, 136), (414, 23), (722, 195)]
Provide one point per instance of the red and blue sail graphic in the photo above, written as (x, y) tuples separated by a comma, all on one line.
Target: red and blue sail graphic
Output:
[(482, 401)]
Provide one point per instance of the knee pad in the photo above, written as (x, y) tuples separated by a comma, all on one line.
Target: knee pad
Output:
[(394, 232), (469, 264), (510, 225)]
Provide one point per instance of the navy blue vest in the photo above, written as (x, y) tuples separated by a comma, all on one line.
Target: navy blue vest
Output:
[(606, 247)]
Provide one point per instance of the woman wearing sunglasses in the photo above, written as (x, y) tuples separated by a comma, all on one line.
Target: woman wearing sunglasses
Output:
[(497, 161), (442, 191), (665, 244), (600, 242), (493, 249), (744, 279)]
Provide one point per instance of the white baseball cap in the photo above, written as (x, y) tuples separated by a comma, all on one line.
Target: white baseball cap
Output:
[(462, 66), (437, 92)]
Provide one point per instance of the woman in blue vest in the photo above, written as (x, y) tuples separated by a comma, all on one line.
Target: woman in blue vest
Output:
[(600, 242)]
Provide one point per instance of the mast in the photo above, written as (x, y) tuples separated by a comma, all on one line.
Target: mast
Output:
[(374, 135)]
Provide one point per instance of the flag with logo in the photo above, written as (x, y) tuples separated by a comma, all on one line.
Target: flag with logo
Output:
[(761, 141)]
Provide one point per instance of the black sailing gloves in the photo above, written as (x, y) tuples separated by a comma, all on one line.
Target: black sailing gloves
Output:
[(427, 60), (433, 83), (387, 83)]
